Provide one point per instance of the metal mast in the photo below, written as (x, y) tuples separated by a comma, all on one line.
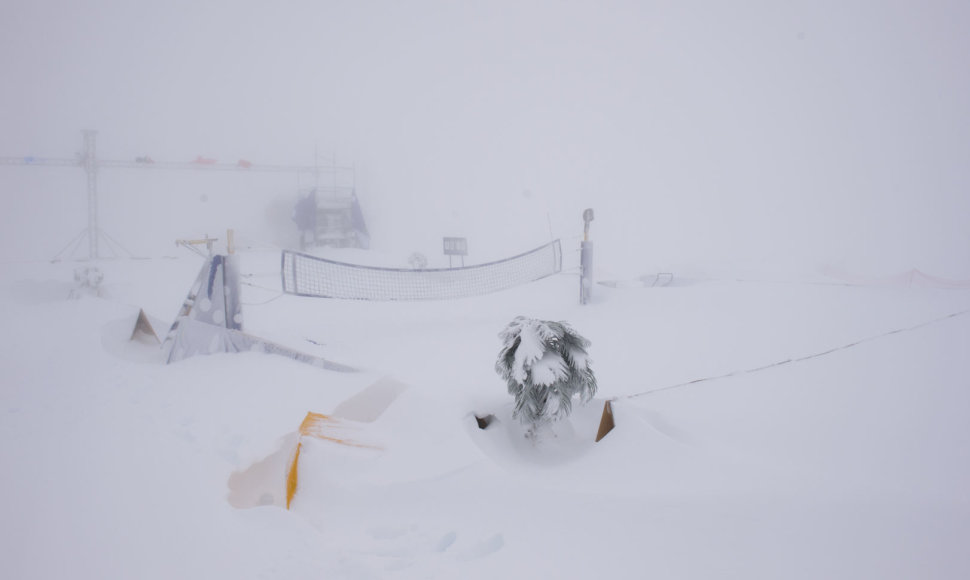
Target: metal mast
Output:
[(91, 168), (88, 160)]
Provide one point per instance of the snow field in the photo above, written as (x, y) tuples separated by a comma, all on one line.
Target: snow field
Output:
[(849, 465)]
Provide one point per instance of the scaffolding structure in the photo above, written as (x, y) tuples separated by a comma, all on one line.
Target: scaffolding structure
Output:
[(328, 177)]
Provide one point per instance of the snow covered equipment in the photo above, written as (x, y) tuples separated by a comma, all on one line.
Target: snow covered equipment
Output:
[(331, 217), (87, 282)]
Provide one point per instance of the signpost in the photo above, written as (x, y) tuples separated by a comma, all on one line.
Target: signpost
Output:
[(456, 247)]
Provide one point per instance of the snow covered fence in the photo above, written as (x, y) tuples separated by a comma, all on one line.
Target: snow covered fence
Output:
[(306, 275)]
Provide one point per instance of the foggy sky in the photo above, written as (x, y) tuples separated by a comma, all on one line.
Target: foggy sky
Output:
[(702, 133)]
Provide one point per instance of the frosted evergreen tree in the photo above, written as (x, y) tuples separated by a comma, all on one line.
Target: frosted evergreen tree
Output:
[(545, 365)]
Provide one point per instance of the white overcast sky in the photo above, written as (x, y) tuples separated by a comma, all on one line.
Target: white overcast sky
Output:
[(750, 132)]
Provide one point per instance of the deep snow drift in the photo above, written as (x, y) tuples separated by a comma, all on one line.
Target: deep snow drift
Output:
[(854, 464)]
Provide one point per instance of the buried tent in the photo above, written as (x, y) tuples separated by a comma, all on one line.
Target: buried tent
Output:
[(369, 440), (389, 433), (274, 480), (210, 320)]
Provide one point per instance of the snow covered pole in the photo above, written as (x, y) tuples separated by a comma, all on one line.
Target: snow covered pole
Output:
[(586, 261)]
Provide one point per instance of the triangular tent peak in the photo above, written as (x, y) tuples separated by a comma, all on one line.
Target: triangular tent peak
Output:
[(214, 297), (143, 330), (606, 421), (484, 421), (210, 309)]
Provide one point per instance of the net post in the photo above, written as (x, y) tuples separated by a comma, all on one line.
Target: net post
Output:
[(586, 260)]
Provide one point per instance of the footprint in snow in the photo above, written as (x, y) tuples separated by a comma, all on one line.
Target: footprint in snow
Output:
[(446, 541), (483, 548), (403, 546), (389, 532)]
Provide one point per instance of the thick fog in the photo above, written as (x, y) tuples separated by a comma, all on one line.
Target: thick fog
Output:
[(707, 134)]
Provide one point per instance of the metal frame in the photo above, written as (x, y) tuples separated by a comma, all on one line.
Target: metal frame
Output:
[(89, 161)]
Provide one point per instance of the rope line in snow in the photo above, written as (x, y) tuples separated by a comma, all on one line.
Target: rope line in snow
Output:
[(799, 359), (279, 293)]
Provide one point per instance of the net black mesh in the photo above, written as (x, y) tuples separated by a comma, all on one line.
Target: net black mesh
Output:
[(307, 275)]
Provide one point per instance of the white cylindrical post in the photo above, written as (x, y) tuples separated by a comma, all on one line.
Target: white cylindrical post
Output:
[(586, 261)]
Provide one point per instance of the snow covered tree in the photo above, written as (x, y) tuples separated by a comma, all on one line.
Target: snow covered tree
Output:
[(545, 365)]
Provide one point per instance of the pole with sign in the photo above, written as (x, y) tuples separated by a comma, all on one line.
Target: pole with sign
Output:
[(456, 247)]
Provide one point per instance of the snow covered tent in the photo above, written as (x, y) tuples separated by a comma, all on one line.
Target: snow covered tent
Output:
[(210, 320), (326, 428), (210, 309), (275, 479)]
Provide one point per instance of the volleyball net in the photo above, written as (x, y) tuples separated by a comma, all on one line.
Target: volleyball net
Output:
[(306, 275)]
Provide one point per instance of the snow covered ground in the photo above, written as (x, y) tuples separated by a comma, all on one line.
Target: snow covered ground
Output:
[(739, 146), (853, 464)]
